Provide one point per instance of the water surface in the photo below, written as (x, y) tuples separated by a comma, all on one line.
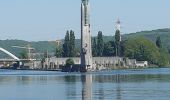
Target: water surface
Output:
[(141, 84)]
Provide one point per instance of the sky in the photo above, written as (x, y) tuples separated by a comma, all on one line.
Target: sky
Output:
[(39, 20)]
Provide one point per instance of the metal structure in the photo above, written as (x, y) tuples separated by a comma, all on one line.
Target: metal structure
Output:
[(10, 54), (27, 48)]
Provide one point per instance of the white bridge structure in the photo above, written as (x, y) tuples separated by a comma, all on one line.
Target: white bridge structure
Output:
[(10, 54)]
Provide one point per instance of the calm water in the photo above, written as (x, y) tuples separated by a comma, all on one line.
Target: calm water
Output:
[(144, 84)]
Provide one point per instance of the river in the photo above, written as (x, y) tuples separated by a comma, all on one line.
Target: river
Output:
[(139, 84)]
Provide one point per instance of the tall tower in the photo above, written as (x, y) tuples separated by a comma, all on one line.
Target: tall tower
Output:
[(86, 52)]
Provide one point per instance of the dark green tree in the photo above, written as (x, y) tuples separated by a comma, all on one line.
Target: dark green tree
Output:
[(66, 47), (94, 47), (158, 42), (69, 62), (117, 42), (46, 54), (72, 47), (100, 44), (117, 36), (122, 48), (164, 57), (108, 49)]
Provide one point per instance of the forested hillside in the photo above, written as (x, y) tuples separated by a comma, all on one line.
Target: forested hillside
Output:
[(151, 35), (40, 47), (43, 46)]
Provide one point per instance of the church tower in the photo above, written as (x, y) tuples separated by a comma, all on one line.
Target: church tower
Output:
[(86, 52)]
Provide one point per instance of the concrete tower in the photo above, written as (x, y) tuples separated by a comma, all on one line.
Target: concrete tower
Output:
[(86, 52)]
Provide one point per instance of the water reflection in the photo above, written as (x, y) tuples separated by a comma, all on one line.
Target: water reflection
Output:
[(86, 87), (90, 86), (70, 86), (25, 80), (78, 85), (118, 86)]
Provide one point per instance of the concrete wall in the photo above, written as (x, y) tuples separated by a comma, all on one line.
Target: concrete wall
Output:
[(98, 62)]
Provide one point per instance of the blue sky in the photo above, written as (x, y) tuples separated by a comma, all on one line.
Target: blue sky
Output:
[(36, 20)]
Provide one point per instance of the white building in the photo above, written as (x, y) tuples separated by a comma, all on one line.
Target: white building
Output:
[(141, 63)]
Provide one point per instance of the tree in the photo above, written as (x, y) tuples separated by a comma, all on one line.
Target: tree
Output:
[(143, 49), (72, 47), (108, 49), (164, 57), (24, 54), (100, 44), (66, 47), (69, 62), (158, 42), (58, 52), (69, 48), (46, 55), (117, 42), (94, 47), (122, 48), (117, 36)]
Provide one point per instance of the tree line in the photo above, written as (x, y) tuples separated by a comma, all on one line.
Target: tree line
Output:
[(99, 48), (139, 48), (68, 49)]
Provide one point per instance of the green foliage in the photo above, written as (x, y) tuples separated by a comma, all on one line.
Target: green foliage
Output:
[(117, 42), (66, 47), (100, 44), (46, 54), (24, 54), (151, 35), (143, 49), (164, 58), (69, 62), (40, 47), (117, 36), (109, 49), (69, 49), (94, 47), (43, 46), (158, 42), (58, 52), (72, 45)]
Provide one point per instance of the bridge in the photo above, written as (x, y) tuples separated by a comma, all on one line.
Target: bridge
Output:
[(11, 61), (10, 54)]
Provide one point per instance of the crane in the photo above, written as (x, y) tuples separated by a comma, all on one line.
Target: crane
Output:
[(28, 47)]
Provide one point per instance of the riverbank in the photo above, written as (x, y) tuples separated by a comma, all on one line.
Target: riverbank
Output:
[(73, 70)]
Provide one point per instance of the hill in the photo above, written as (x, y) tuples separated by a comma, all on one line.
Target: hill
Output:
[(40, 46), (151, 35), (43, 46)]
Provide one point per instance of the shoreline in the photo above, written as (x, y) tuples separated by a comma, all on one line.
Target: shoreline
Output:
[(60, 70), (32, 69)]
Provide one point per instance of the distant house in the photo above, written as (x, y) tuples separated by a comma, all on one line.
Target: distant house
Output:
[(141, 63), (58, 42)]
